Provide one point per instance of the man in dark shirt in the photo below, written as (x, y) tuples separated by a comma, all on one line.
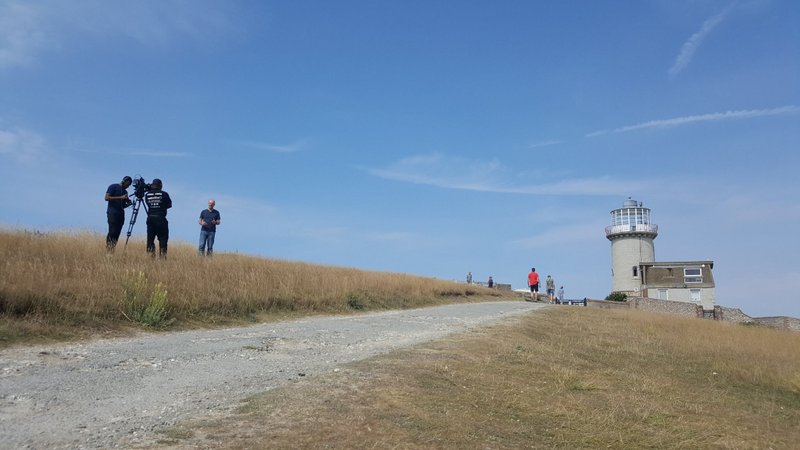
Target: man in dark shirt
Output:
[(117, 198), (209, 219), (158, 202)]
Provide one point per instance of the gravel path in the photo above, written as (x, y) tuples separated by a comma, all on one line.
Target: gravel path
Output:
[(114, 393)]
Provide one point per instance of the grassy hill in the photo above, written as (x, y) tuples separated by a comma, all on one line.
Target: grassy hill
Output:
[(565, 377), (65, 285)]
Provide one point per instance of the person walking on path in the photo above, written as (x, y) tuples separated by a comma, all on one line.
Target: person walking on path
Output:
[(533, 283), (158, 202), (490, 283), (117, 198), (209, 219), (560, 295), (469, 277), (551, 288)]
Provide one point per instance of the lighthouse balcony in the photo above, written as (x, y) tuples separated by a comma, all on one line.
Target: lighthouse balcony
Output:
[(644, 228)]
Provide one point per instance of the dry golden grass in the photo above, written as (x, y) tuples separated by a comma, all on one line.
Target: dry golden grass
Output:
[(565, 377), (64, 285)]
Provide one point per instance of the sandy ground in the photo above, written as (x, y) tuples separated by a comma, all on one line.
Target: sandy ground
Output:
[(117, 393)]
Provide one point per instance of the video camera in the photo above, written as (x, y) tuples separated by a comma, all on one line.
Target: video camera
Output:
[(140, 186)]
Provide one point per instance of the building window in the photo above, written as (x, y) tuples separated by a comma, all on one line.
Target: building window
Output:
[(663, 294), (692, 275), (669, 272), (695, 293), (635, 272)]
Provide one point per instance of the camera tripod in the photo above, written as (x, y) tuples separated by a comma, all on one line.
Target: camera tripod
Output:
[(139, 201)]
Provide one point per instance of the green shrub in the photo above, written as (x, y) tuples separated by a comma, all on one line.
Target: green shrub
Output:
[(134, 290), (153, 310), (354, 302), (617, 296)]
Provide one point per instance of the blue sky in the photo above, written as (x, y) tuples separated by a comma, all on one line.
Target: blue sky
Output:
[(425, 137)]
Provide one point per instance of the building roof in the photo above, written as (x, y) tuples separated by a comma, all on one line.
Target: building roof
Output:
[(678, 263)]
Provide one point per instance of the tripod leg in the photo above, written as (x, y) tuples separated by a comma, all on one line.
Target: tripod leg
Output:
[(134, 214)]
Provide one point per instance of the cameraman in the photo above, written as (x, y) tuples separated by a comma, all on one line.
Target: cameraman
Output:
[(117, 198), (157, 202)]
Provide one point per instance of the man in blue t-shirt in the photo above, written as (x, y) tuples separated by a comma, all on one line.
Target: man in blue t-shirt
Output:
[(209, 219), (117, 198)]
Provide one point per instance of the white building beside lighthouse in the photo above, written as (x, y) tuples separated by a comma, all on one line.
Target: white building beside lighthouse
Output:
[(635, 271)]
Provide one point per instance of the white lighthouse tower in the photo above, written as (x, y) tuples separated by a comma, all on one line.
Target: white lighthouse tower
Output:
[(631, 235)]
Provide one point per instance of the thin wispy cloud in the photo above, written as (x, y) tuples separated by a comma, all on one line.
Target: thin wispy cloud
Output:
[(544, 143), (392, 236), (770, 200), (140, 152), (288, 148), (491, 176), (154, 22), (711, 117), (693, 43), (157, 154), (561, 236), (22, 145), (21, 33), (29, 29)]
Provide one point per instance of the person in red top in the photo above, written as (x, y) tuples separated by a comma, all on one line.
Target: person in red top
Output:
[(533, 282)]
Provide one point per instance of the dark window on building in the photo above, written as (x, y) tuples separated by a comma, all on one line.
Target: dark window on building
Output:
[(692, 275), (635, 271)]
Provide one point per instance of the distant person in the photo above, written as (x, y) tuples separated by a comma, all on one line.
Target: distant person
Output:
[(469, 277), (209, 219), (490, 283), (533, 283), (158, 202), (117, 198), (560, 295), (551, 288)]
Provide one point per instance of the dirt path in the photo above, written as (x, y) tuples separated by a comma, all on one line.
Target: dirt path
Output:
[(112, 393)]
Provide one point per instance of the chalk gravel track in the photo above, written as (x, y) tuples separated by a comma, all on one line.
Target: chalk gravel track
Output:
[(117, 392)]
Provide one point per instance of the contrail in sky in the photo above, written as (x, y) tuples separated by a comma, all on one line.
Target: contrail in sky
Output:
[(691, 45), (712, 117)]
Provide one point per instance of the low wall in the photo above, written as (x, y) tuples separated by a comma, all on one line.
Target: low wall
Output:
[(527, 296), (723, 313), (733, 315), (666, 306), (782, 322), (653, 305), (607, 304)]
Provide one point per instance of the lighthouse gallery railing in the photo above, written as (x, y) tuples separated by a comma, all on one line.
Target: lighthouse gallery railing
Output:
[(628, 228)]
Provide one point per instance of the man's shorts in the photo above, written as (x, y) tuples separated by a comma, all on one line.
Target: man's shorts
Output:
[(535, 287), (551, 291)]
